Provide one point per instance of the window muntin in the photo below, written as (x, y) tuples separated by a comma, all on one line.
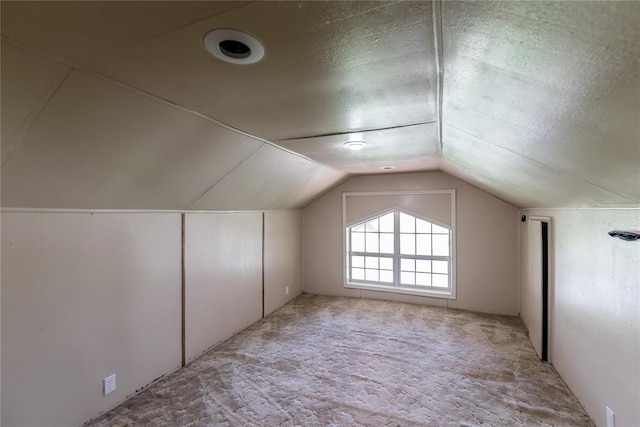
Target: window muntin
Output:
[(372, 247), (401, 250)]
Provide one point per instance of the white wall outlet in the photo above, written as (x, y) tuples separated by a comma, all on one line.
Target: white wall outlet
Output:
[(109, 384), (286, 290), (611, 418)]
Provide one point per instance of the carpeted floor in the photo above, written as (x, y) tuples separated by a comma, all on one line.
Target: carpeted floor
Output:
[(323, 361)]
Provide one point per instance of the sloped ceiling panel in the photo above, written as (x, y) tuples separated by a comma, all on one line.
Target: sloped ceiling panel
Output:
[(260, 182), (330, 67), (512, 177), (551, 85), (417, 143), (540, 105), (323, 179), (97, 145), (83, 31), (28, 81)]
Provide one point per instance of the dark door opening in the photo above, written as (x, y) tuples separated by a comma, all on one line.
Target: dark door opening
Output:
[(545, 291)]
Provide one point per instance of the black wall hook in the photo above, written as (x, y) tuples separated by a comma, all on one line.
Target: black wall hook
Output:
[(625, 235)]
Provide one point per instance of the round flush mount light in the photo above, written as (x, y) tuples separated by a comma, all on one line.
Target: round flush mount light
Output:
[(233, 46), (355, 145)]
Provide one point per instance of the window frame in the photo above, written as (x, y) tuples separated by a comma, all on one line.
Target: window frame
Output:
[(447, 293)]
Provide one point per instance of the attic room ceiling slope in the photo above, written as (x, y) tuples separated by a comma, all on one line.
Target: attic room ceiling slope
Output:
[(96, 145), (329, 67), (85, 31), (542, 99), (118, 105), (130, 152), (28, 82)]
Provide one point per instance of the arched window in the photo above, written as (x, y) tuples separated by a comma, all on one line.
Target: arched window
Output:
[(399, 249)]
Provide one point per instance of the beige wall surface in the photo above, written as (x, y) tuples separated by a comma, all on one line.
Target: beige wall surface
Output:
[(223, 276), (435, 207), (85, 296), (282, 258), (595, 328), (487, 236)]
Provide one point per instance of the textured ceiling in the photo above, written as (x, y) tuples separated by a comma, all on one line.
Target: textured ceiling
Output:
[(546, 96), (117, 105)]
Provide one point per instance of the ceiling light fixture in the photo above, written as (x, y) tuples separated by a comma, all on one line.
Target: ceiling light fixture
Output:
[(233, 46), (387, 168), (355, 145)]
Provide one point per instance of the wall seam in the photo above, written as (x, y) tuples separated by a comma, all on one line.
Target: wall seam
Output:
[(438, 48), (184, 299), (263, 265)]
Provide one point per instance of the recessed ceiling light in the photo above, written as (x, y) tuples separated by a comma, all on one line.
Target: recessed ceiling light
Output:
[(233, 46), (355, 145), (387, 168)]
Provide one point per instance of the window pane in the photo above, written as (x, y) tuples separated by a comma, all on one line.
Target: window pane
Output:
[(386, 263), (408, 264), (441, 267), (371, 262), (441, 280), (422, 226), (359, 227), (386, 276), (357, 242), (441, 230), (407, 223), (441, 244), (408, 244), (407, 278), (357, 261), (423, 279), (423, 244), (386, 223), (386, 243), (372, 242), (423, 265), (418, 238), (372, 225)]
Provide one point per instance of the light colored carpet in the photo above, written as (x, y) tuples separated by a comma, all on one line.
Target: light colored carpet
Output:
[(323, 361)]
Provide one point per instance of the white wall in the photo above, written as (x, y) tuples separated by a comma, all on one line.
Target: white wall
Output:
[(487, 243), (223, 276), (84, 296), (87, 295), (282, 258), (595, 326)]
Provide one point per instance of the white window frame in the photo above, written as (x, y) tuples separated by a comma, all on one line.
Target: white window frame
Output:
[(449, 293)]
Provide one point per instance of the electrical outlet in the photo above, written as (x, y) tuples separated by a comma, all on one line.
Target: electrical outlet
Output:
[(286, 290), (109, 384), (611, 418)]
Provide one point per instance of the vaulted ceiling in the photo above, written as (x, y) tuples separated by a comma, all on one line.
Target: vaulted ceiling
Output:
[(118, 105)]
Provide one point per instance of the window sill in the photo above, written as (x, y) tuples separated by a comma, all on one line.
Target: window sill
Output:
[(446, 294)]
